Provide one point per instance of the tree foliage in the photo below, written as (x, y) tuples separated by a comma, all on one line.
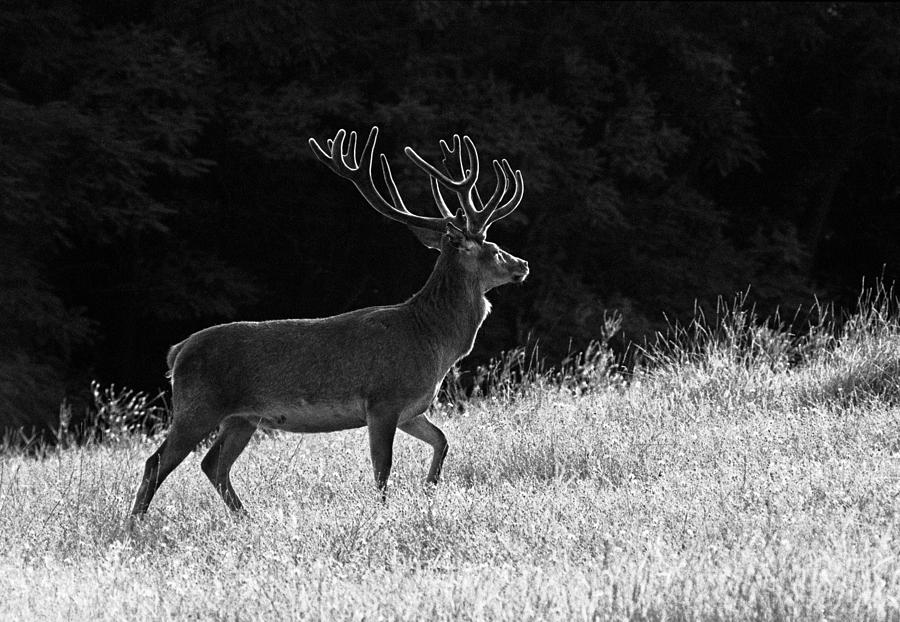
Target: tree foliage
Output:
[(155, 178)]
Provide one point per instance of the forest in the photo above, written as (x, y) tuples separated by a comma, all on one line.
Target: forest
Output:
[(155, 176)]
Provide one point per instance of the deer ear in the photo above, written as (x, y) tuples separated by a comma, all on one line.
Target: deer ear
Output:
[(428, 237), (432, 239), (455, 237)]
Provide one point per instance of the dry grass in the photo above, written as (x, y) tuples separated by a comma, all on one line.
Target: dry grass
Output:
[(726, 484)]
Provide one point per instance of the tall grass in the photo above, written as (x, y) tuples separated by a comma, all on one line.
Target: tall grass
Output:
[(745, 469)]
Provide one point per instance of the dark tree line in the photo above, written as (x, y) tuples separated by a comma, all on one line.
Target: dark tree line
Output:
[(155, 177)]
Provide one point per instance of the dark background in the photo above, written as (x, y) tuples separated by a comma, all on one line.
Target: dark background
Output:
[(155, 176)]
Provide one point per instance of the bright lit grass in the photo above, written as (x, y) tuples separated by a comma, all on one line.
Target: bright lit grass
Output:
[(722, 485)]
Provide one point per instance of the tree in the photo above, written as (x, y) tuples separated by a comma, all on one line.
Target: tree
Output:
[(155, 178)]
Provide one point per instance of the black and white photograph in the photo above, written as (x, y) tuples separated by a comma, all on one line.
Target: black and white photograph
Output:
[(449, 310)]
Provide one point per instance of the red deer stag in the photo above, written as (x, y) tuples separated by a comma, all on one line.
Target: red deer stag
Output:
[(379, 367)]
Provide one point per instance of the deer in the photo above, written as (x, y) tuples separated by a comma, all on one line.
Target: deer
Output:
[(379, 367)]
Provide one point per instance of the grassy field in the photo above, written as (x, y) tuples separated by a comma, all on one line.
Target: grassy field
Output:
[(747, 476)]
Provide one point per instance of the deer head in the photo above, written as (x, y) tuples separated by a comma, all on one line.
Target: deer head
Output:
[(460, 236)]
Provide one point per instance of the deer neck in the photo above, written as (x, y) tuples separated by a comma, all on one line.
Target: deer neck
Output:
[(450, 308)]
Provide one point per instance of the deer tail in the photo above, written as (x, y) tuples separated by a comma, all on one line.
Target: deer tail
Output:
[(170, 358)]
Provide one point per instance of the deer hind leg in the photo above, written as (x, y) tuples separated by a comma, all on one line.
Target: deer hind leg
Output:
[(422, 429), (234, 434), (183, 436)]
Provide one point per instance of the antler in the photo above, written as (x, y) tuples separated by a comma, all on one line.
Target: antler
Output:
[(344, 163), (479, 215)]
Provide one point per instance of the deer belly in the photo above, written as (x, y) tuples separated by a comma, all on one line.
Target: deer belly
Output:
[(314, 417)]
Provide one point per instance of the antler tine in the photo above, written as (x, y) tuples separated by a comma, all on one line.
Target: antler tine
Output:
[(472, 152), (499, 189), (351, 151), (367, 153), (325, 157), (476, 198), (438, 199), (392, 187), (345, 164), (509, 207), (447, 155)]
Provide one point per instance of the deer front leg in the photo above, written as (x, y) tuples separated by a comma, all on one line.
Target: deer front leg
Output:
[(381, 443), (422, 429)]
